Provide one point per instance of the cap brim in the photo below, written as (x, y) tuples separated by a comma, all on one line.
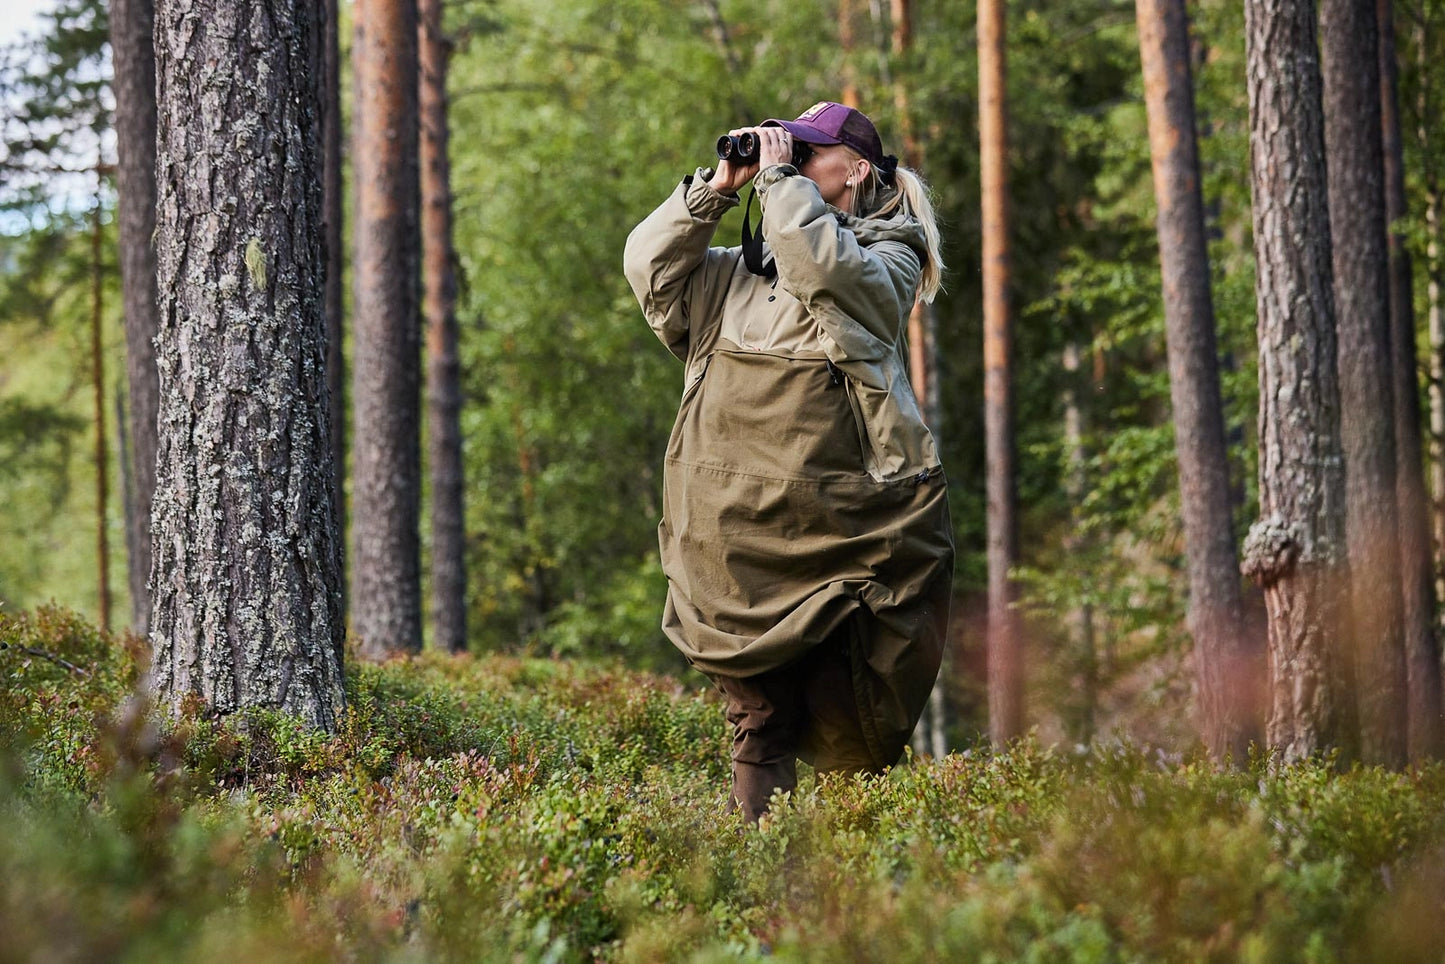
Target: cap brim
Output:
[(803, 132)]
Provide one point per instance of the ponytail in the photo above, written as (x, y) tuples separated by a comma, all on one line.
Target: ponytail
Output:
[(909, 193)]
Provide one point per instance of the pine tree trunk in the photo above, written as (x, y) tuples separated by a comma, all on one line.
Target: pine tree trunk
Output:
[(133, 85), (846, 45), (1296, 551), (444, 391), (1221, 652), (1426, 735), (1435, 320), (127, 483), (247, 573), (1350, 51), (332, 207), (386, 362), (1005, 638), (922, 343), (102, 458)]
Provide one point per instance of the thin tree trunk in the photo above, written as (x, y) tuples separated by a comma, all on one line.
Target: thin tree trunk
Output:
[(386, 401), (134, 87), (97, 370), (846, 46), (1426, 735), (1005, 638), (922, 358), (1351, 55), (1221, 653), (444, 393), (247, 573), (1081, 620), (901, 44), (127, 481), (1434, 285), (332, 207), (1296, 550)]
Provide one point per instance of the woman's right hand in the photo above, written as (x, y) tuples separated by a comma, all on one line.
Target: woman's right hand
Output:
[(730, 177)]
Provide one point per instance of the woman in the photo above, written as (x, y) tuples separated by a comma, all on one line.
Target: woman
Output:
[(805, 531)]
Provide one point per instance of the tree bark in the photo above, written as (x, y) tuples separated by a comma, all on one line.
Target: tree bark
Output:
[(127, 483), (1296, 551), (923, 357), (1426, 734), (846, 45), (247, 573), (97, 370), (1005, 637), (444, 392), (329, 120), (133, 85), (1221, 654), (1350, 51), (922, 354), (386, 399)]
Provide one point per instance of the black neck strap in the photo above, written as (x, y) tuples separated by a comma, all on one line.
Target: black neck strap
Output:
[(753, 243)]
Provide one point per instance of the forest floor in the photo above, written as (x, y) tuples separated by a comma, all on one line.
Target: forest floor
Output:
[(499, 808)]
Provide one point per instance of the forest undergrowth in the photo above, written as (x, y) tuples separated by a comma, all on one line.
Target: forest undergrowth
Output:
[(503, 808)]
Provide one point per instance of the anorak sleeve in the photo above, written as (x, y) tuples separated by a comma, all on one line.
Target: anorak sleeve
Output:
[(859, 296), (679, 279)]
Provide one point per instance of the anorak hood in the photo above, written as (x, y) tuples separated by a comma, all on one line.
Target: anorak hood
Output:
[(900, 227)]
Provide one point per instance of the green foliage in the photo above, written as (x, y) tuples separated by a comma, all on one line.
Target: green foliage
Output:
[(47, 473), (506, 809)]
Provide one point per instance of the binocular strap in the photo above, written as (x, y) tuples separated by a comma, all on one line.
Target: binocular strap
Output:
[(753, 243)]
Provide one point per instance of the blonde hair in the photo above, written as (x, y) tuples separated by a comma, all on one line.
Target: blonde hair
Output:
[(908, 193)]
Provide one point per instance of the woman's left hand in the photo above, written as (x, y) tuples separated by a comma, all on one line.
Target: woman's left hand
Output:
[(775, 146)]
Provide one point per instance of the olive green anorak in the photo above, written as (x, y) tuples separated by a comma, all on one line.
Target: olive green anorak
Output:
[(802, 491)]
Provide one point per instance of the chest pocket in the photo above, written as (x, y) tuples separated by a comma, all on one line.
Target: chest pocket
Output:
[(772, 416)]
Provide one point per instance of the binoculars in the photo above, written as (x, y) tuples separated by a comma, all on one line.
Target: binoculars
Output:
[(743, 149)]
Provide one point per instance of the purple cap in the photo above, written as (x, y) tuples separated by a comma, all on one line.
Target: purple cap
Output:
[(829, 123)]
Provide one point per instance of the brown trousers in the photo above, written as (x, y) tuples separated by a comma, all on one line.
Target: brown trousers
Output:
[(776, 714)]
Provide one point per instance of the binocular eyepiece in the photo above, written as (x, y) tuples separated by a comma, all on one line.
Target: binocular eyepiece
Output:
[(743, 149)]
